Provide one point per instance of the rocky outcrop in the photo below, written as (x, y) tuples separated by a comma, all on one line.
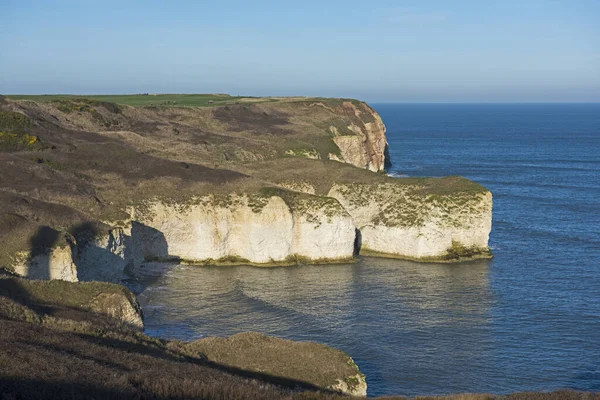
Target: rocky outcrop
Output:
[(91, 256), (365, 145), (258, 229), (313, 363), (353, 385), (416, 222), (54, 263), (119, 306), (192, 183)]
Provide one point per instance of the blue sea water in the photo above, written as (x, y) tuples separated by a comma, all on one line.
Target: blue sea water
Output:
[(527, 320)]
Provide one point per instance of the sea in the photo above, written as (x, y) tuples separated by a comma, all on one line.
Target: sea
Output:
[(527, 320)]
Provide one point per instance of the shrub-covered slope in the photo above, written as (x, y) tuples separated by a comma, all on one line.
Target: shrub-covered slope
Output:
[(73, 172), (63, 340)]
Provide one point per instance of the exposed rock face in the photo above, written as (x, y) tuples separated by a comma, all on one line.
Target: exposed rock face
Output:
[(56, 263), (367, 147), (402, 221), (354, 385), (120, 307), (312, 363), (98, 257), (102, 258), (246, 228)]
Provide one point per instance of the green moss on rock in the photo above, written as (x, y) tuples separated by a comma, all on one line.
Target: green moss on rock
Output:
[(311, 207), (458, 252), (411, 202)]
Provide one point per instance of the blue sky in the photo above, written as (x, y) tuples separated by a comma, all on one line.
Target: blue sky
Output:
[(403, 50)]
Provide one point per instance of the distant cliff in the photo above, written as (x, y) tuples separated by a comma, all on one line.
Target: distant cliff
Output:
[(89, 188)]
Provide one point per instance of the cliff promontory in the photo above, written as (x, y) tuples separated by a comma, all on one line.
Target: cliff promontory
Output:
[(91, 187)]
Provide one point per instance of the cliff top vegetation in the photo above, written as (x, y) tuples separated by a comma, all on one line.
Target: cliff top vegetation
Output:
[(163, 99), (67, 160)]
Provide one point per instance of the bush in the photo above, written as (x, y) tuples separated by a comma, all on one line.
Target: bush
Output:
[(14, 122), (15, 142)]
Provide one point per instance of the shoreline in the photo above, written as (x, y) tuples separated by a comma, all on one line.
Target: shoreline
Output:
[(426, 260)]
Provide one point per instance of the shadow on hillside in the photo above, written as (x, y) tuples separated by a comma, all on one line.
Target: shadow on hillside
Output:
[(41, 244), (97, 253), (77, 340), (126, 370), (200, 359), (23, 388), (387, 164)]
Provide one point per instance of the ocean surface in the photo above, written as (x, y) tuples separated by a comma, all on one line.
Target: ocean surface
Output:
[(527, 320)]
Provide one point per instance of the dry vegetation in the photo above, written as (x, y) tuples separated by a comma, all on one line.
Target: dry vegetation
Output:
[(67, 161), (313, 362), (55, 347)]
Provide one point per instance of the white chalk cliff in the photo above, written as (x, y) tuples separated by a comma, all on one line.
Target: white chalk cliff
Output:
[(253, 229), (393, 220), (102, 258), (287, 222)]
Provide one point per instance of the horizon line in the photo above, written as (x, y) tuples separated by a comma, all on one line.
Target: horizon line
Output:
[(468, 102)]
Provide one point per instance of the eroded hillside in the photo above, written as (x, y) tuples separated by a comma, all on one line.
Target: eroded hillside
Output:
[(88, 187)]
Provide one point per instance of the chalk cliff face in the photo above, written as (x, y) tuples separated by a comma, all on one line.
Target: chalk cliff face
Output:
[(55, 263), (256, 229), (266, 181), (101, 257), (408, 222)]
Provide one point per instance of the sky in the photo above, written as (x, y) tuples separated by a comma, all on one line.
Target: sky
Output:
[(378, 50)]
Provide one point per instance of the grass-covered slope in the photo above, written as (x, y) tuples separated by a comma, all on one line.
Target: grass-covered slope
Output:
[(170, 100), (68, 161), (56, 345), (315, 363)]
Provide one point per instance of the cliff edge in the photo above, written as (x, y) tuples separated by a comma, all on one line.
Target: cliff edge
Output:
[(90, 188)]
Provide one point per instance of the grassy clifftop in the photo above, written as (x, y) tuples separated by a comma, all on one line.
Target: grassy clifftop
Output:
[(180, 100), (67, 161), (168, 100)]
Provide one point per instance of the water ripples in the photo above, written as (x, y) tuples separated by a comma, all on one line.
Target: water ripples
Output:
[(527, 320)]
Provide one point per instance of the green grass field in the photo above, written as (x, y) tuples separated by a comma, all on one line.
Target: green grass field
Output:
[(177, 100)]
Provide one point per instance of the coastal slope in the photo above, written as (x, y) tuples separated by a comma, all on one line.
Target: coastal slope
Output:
[(90, 188), (65, 340), (84, 340)]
